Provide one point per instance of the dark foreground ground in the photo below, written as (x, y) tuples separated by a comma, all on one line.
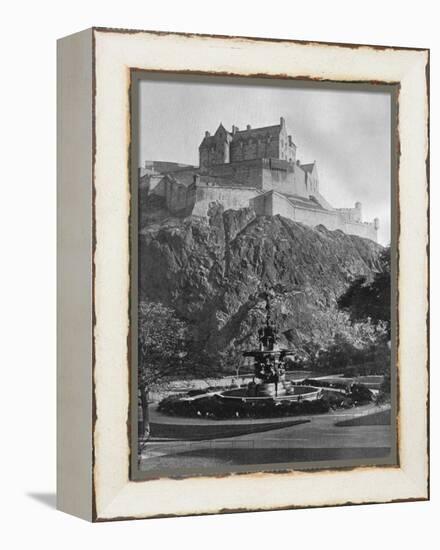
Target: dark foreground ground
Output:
[(361, 433)]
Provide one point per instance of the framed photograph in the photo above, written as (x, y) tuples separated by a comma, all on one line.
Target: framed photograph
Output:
[(242, 272)]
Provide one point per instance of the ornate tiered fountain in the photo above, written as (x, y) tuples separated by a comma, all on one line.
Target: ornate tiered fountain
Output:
[(269, 380), (269, 367), (268, 387)]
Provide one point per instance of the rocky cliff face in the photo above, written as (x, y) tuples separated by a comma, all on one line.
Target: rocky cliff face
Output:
[(212, 270)]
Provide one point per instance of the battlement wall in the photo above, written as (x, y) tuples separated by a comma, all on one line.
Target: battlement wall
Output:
[(196, 198), (176, 195), (162, 167), (351, 214), (230, 197), (273, 203)]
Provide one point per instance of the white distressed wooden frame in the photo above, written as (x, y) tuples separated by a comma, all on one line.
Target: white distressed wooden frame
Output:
[(94, 282)]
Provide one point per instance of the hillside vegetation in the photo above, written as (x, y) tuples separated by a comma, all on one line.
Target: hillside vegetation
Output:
[(209, 273)]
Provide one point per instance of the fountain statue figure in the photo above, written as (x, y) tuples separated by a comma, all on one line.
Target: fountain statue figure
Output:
[(269, 367)]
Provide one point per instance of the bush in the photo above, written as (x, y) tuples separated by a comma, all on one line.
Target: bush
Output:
[(384, 395), (334, 400), (360, 394), (217, 407), (350, 372), (193, 393), (322, 384)]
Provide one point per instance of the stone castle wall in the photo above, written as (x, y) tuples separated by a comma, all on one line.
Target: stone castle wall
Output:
[(230, 197), (196, 200), (273, 203), (161, 167), (351, 214), (176, 196), (248, 173), (248, 148), (266, 174), (285, 177)]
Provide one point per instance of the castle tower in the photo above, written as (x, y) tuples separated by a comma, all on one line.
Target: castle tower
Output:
[(358, 211), (215, 149)]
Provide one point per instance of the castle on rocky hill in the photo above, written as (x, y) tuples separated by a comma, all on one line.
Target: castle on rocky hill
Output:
[(255, 168)]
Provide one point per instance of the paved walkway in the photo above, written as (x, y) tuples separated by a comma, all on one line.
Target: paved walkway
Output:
[(316, 439), (160, 418)]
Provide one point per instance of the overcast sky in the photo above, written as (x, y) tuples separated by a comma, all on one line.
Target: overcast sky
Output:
[(347, 132)]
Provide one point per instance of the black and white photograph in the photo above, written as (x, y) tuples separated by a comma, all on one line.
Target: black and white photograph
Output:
[(264, 275), (219, 284)]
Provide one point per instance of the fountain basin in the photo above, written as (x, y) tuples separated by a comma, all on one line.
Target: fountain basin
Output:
[(294, 393)]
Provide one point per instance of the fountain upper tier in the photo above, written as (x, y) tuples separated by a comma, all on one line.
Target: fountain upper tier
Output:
[(269, 365)]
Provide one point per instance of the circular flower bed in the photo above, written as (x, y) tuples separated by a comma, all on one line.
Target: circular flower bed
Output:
[(216, 407)]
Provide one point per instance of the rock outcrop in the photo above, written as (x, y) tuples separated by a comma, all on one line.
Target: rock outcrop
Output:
[(212, 270)]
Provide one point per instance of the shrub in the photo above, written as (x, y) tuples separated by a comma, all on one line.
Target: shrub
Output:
[(193, 393), (219, 408), (334, 400), (360, 394)]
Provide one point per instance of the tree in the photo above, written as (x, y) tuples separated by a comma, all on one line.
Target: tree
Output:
[(232, 360), (163, 343), (371, 300)]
